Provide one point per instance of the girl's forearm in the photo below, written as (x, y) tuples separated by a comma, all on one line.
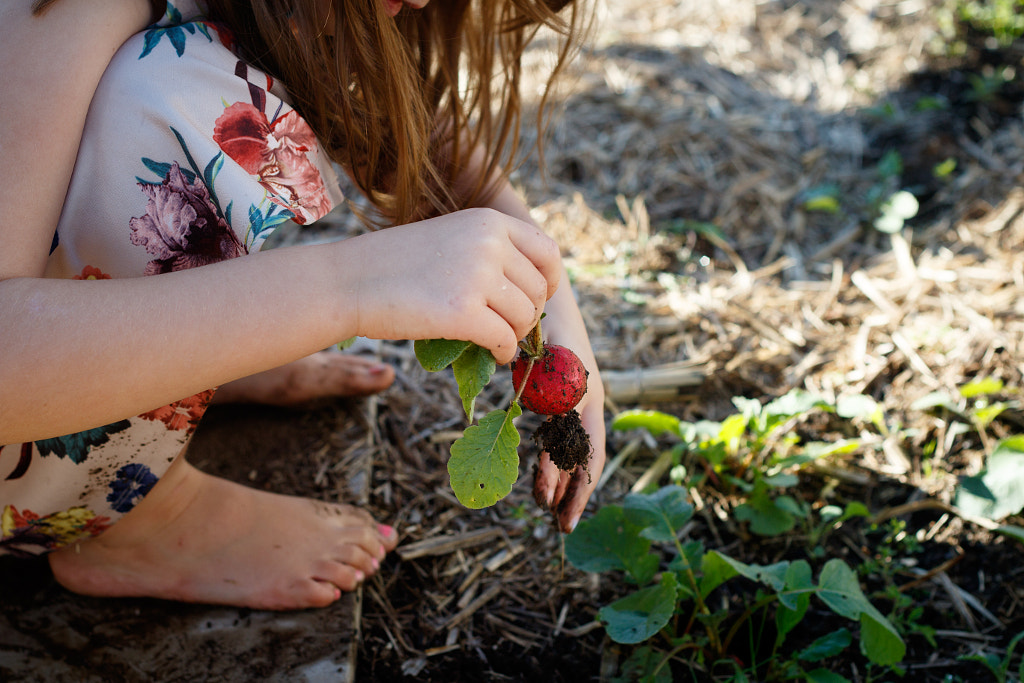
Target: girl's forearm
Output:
[(77, 354)]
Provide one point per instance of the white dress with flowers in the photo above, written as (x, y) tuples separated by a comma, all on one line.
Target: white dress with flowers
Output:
[(189, 157)]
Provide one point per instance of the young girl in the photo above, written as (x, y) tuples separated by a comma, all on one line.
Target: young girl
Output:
[(153, 287)]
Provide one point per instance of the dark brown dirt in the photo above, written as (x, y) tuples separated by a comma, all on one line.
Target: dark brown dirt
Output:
[(565, 440)]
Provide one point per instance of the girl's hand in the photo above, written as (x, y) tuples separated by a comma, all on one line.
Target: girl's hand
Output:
[(566, 493), (477, 275)]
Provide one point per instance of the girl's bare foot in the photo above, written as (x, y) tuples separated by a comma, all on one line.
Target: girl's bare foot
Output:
[(327, 374), (198, 538)]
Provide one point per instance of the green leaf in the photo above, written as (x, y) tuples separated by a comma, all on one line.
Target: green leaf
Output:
[(773, 575), (639, 616), (485, 462), (346, 343), (661, 514), (839, 589), (794, 599), (879, 640), (608, 541), (981, 387), (828, 645), (640, 667), (821, 198), (715, 571), (732, 429), (473, 369), (936, 399), (655, 422), (824, 676), (858, 406), (764, 516), (437, 354), (795, 402), (997, 492), (1012, 531)]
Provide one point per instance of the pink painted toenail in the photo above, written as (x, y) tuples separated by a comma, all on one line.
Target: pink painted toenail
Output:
[(337, 593), (375, 562), (360, 576), (385, 530)]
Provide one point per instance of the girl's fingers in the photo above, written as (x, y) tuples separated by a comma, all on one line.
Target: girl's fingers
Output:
[(543, 253)]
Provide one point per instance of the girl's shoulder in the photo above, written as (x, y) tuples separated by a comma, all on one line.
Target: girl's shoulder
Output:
[(180, 12)]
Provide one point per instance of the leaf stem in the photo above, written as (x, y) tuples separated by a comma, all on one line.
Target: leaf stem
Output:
[(533, 346)]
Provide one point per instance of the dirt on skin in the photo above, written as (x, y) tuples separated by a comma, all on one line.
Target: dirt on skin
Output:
[(565, 440)]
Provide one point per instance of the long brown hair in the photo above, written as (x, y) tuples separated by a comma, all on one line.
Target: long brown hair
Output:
[(403, 102)]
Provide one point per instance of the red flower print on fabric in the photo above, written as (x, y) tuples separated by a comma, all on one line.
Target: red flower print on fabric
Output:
[(91, 273), (182, 227), (277, 154), (183, 414)]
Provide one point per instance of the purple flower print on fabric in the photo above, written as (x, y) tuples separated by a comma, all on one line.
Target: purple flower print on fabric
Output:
[(182, 227)]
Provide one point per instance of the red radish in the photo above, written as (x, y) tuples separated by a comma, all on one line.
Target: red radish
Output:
[(556, 383)]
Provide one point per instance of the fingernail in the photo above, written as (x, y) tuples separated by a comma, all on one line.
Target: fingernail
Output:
[(573, 523), (337, 593), (378, 369), (360, 576), (375, 562), (385, 530), (383, 550)]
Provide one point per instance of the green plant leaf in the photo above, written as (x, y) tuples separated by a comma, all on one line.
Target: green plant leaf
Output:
[(997, 492), (437, 354), (655, 422), (839, 589), (640, 667), (935, 399), (981, 387), (983, 415), (608, 541), (895, 211), (661, 514), (879, 640), (484, 463), (639, 616), (794, 402), (732, 429), (856, 406), (714, 572), (824, 676), (828, 645), (346, 343), (1012, 531), (764, 516), (794, 599), (473, 369), (773, 575), (823, 198)]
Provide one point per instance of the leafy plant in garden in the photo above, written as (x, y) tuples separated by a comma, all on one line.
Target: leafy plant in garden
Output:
[(550, 379), (998, 491), (672, 613), (756, 453)]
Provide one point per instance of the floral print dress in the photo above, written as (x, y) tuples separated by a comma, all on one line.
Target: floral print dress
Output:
[(189, 157)]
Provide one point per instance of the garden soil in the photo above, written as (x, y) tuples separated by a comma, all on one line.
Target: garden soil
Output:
[(713, 175)]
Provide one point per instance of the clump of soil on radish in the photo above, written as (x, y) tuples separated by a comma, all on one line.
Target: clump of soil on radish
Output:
[(565, 440)]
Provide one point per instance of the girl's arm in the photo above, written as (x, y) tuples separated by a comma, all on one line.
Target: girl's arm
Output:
[(80, 353), (51, 65)]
